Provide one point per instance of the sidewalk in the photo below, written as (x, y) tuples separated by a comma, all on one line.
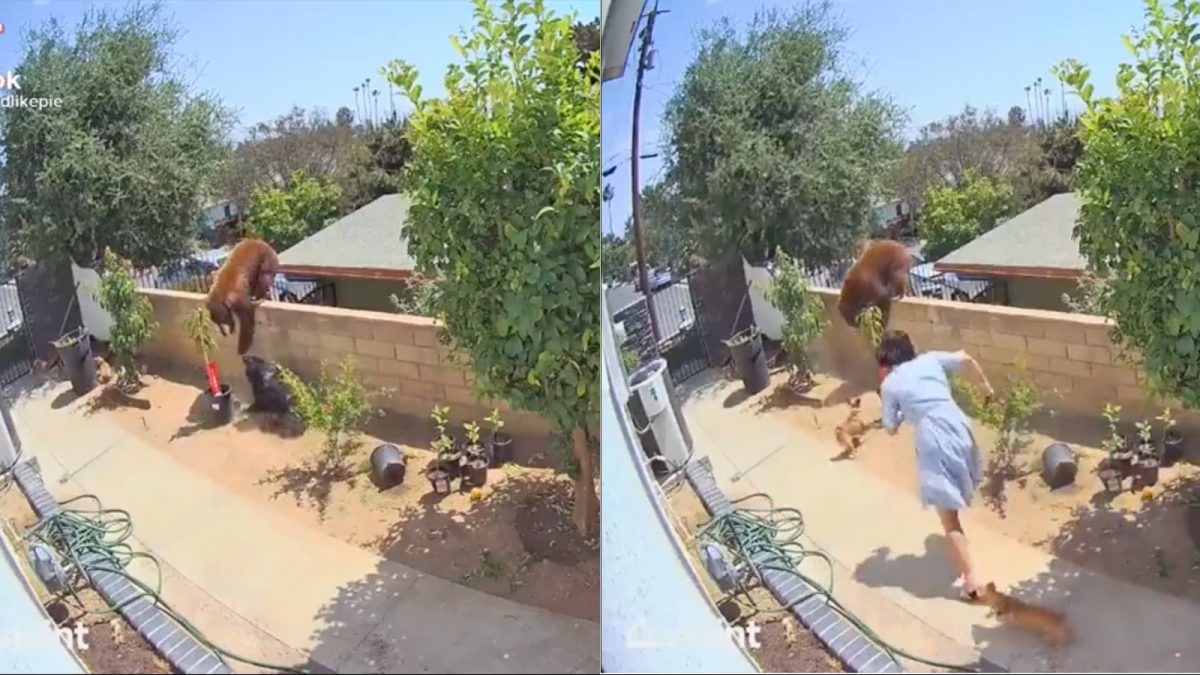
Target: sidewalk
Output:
[(307, 595), (887, 548)]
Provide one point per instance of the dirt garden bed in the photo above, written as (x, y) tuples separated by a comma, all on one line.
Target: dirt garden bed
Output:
[(514, 539), (1144, 537), (113, 646), (784, 645)]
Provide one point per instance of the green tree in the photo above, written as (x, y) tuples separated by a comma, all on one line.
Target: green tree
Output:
[(616, 254), (127, 158), (954, 216), (284, 217), (513, 146), (1139, 223), (377, 164), (773, 145), (803, 317), (133, 316)]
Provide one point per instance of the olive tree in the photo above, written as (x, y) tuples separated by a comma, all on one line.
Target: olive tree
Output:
[(1139, 223), (504, 183)]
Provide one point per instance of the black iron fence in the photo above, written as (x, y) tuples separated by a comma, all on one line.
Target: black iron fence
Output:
[(16, 348), (923, 282), (681, 335), (196, 274)]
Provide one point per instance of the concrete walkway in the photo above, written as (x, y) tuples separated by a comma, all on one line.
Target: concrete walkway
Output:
[(267, 587), (888, 548)]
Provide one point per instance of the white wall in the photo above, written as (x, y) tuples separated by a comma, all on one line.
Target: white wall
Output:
[(768, 319), (656, 616), (97, 321)]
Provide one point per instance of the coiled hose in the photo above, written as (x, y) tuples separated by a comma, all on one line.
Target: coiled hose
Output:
[(770, 537), (96, 540)]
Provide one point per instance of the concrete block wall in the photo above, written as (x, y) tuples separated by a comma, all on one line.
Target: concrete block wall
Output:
[(1069, 356), (395, 352)]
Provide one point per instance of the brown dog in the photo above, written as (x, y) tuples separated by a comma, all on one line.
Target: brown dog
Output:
[(1050, 625), (241, 284), (850, 433)]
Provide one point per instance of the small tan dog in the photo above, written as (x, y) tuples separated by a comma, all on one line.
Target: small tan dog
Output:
[(104, 372), (850, 433), (1050, 625)]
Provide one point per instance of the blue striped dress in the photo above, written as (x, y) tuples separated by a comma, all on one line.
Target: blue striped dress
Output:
[(948, 461)]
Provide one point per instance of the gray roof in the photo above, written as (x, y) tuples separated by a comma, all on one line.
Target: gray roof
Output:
[(1042, 237), (367, 238)]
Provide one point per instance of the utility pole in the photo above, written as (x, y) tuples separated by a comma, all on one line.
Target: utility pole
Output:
[(643, 276)]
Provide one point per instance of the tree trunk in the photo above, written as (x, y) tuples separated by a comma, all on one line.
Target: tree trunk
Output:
[(587, 504)]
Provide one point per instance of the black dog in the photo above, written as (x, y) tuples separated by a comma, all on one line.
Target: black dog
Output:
[(270, 394)]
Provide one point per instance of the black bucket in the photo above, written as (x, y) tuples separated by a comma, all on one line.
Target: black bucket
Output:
[(388, 466), (75, 351), (749, 359), (221, 406), (1058, 465)]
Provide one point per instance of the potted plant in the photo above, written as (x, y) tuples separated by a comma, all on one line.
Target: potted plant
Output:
[(803, 322), (133, 318), (449, 455), (199, 330), (502, 443), (439, 471), (1120, 450), (1146, 461), (1172, 440), (475, 473)]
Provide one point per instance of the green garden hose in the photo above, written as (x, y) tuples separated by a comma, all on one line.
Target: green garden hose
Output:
[(771, 538), (99, 537)]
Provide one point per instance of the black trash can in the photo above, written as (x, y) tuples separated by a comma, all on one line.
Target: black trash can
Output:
[(388, 466), (749, 359), (75, 351)]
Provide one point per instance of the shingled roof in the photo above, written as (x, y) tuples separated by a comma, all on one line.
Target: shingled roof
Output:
[(1036, 243), (365, 244)]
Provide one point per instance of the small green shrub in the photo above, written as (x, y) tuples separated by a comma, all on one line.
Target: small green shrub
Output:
[(870, 325), (133, 316), (199, 330), (803, 315), (338, 406), (1007, 412)]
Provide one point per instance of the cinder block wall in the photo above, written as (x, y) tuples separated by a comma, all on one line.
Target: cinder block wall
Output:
[(392, 351), (1069, 356)]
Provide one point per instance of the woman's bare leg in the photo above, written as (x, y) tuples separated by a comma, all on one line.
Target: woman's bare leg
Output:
[(956, 547)]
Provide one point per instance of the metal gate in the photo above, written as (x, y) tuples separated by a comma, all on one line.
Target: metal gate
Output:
[(683, 339), (16, 346)]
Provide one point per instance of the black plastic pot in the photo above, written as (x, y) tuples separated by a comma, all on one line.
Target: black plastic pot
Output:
[(439, 479), (1122, 462), (502, 448), (221, 406), (1111, 478), (451, 463), (749, 359), (75, 351), (1172, 447), (473, 452), (475, 472), (1145, 473), (388, 466), (1058, 465)]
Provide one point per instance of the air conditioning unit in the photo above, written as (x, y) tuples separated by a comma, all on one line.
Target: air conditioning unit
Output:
[(648, 385)]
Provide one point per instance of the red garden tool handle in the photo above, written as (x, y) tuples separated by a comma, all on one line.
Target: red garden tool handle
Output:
[(213, 383)]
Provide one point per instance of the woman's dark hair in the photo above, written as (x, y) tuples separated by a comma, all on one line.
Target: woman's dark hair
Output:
[(895, 348)]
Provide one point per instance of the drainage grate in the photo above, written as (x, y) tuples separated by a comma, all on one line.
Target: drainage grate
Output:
[(838, 635), (176, 645)]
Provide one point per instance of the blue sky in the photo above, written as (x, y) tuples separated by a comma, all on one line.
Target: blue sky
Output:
[(263, 56), (931, 56)]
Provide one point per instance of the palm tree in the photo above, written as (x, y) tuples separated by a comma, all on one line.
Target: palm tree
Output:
[(392, 100), (365, 90), (375, 96), (1028, 102), (1048, 113), (357, 112), (607, 195)]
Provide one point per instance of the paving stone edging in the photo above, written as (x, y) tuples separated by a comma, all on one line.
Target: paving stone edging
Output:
[(843, 639), (172, 642)]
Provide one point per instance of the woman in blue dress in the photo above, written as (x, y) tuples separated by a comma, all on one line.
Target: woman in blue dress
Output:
[(916, 389)]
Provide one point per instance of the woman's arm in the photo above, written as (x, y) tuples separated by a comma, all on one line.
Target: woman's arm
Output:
[(957, 361), (890, 412)]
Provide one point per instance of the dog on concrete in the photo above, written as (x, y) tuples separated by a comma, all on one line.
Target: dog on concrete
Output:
[(271, 395)]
